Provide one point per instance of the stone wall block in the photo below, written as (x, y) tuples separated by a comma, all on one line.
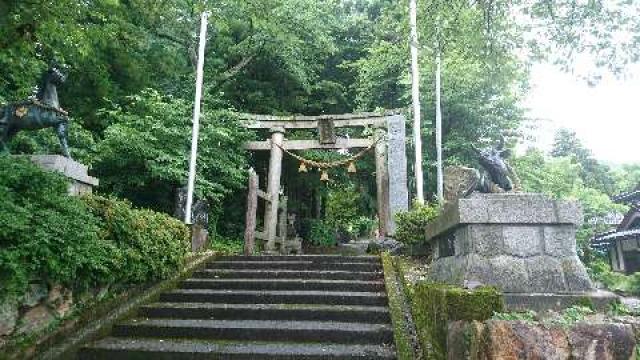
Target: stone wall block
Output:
[(520, 340), (602, 342), (35, 319), (546, 274), (463, 241), (522, 241), (560, 240), (8, 317), (505, 272), (486, 239), (465, 340), (576, 275)]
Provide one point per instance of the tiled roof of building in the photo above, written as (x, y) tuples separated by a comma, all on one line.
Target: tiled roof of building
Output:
[(608, 237)]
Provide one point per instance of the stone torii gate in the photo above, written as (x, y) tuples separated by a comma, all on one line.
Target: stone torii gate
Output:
[(391, 159)]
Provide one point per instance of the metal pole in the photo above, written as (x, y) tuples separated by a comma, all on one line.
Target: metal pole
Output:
[(440, 175), (196, 118), (415, 93)]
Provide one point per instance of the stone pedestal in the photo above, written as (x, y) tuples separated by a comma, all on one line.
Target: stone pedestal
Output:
[(81, 182), (519, 243)]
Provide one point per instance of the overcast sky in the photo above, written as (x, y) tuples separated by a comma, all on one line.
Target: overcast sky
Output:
[(605, 117)]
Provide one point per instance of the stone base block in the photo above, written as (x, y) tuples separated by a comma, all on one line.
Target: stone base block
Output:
[(600, 300), (519, 243), (81, 182)]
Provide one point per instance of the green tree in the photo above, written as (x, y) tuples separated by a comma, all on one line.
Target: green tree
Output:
[(144, 154), (592, 172)]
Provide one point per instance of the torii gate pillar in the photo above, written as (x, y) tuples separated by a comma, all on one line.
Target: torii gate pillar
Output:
[(273, 187)]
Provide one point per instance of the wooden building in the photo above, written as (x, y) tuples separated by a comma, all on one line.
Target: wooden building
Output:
[(623, 243)]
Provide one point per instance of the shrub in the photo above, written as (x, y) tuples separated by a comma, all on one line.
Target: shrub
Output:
[(152, 245), (411, 224), (47, 235), (322, 233), (44, 233)]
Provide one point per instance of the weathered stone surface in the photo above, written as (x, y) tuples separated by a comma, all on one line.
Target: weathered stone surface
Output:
[(521, 241), (576, 275), (81, 182), (465, 340), (8, 317), (199, 237), (560, 240), (509, 274), (495, 339), (519, 340), (602, 342), (462, 244), (546, 275), (380, 245), (486, 239), (60, 300), (397, 168), (35, 293), (35, 319), (541, 302), (459, 181), (505, 208)]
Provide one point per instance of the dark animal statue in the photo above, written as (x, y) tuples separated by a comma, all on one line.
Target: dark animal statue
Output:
[(42, 112), (500, 174)]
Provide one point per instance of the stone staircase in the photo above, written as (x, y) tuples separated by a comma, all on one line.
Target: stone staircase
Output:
[(270, 307)]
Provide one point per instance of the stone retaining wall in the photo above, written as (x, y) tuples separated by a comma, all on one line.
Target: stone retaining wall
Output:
[(497, 339)]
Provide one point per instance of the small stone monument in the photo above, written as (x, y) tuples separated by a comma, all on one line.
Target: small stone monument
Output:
[(199, 216)]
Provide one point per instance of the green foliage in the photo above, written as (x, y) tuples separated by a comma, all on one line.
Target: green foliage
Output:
[(411, 224), (560, 177), (322, 233), (434, 305), (599, 270), (152, 245), (572, 315), (148, 140), (344, 206), (79, 243), (527, 316), (44, 233), (227, 246), (593, 173)]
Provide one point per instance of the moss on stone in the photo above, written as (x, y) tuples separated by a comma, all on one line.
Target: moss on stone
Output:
[(435, 305), (401, 334)]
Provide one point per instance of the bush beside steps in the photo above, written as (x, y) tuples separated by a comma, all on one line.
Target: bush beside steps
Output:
[(59, 252)]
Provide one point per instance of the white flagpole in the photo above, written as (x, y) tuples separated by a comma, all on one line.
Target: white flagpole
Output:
[(415, 93), (440, 175), (196, 118)]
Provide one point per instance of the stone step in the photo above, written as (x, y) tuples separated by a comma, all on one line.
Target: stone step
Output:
[(295, 265), (258, 330), (314, 258), (169, 349), (289, 274), (283, 284), (342, 313), (275, 297)]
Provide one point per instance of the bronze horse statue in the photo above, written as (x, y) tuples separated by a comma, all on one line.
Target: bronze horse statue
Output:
[(42, 112), (501, 176)]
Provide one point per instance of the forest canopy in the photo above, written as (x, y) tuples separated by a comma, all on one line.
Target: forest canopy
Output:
[(131, 67)]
